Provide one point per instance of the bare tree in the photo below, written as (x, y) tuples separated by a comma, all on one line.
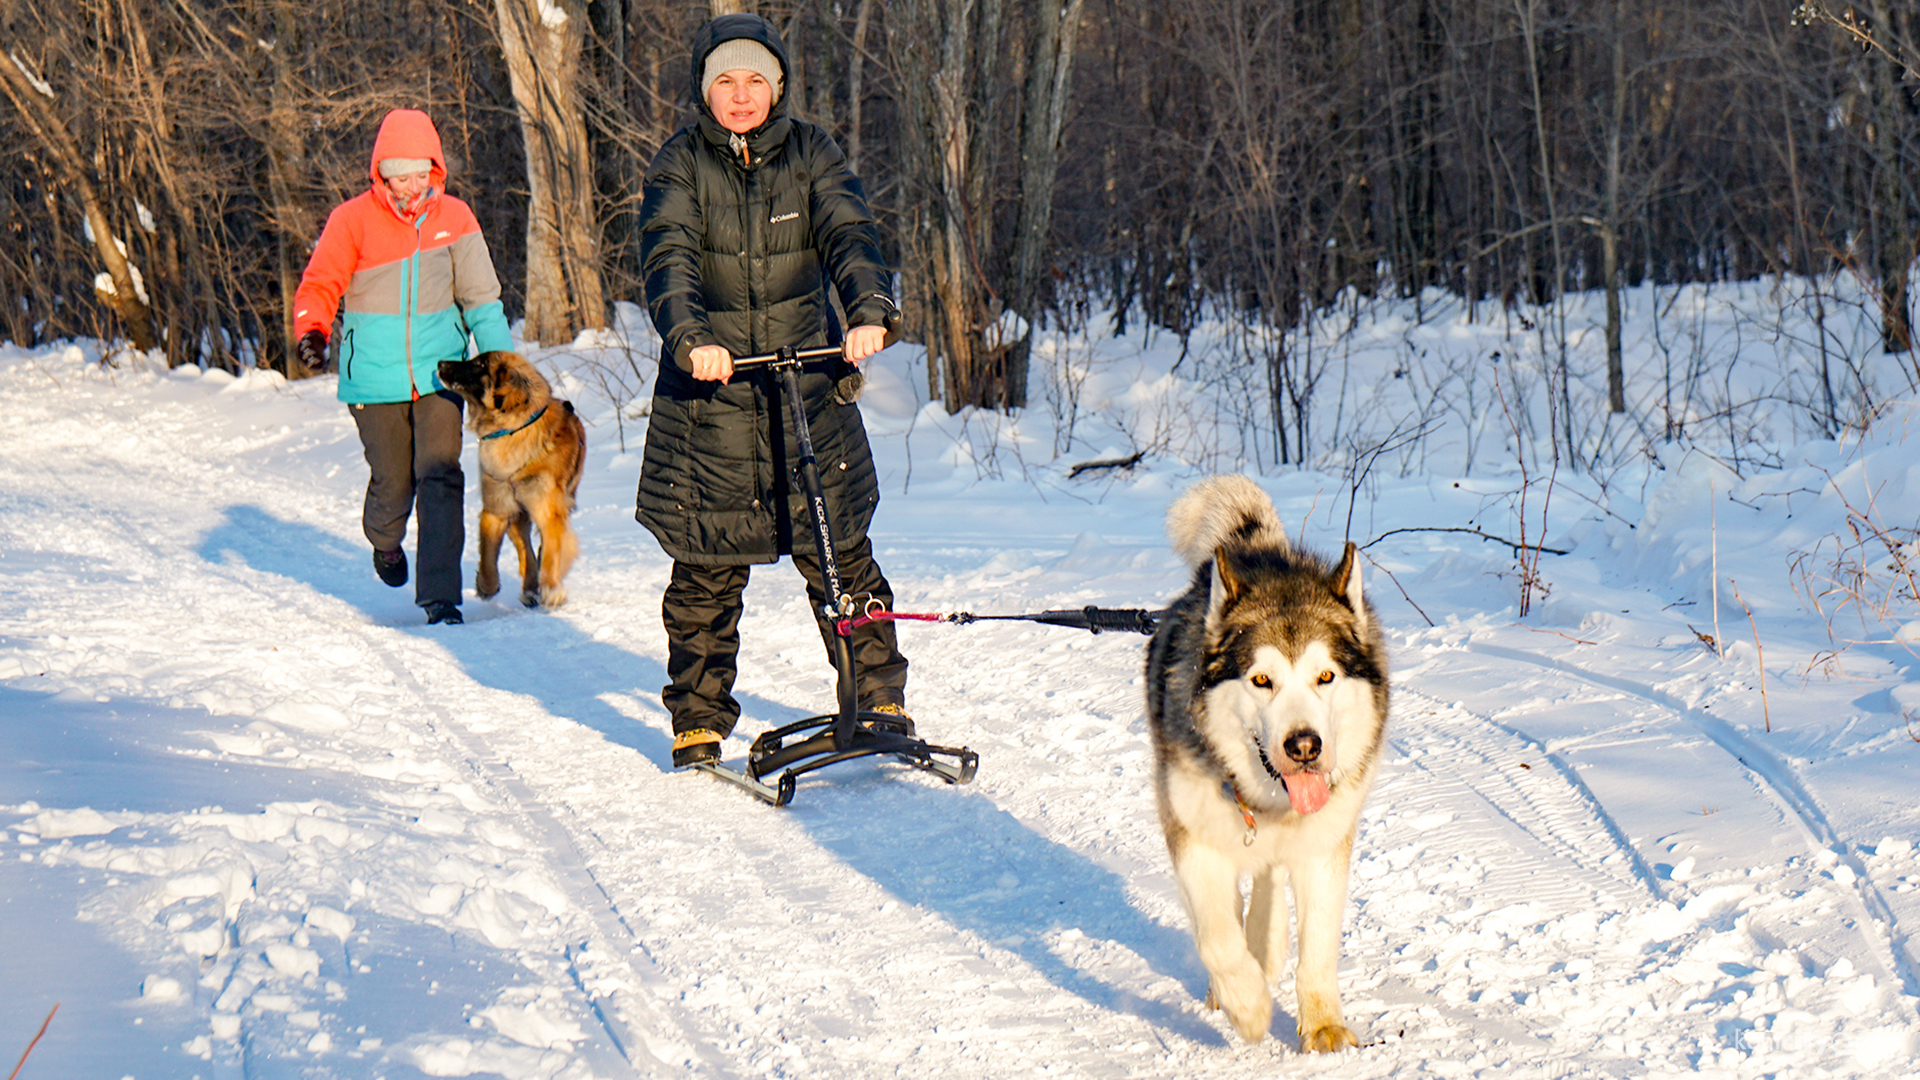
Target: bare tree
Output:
[(35, 101), (543, 42), (1054, 34), (1616, 135), (1892, 238), (945, 50)]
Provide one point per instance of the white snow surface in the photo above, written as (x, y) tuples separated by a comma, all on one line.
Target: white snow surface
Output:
[(258, 820)]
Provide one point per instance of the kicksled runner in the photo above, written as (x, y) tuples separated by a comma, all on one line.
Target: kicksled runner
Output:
[(778, 758)]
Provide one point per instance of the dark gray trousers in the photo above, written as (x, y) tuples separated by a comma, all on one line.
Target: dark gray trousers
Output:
[(701, 611), (413, 468)]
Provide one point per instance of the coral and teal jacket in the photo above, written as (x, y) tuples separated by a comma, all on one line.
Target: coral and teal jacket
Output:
[(410, 287)]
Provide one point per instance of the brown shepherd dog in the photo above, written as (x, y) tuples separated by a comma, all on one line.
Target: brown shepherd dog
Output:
[(532, 449)]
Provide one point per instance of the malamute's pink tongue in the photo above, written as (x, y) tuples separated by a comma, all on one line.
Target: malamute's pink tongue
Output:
[(1306, 790)]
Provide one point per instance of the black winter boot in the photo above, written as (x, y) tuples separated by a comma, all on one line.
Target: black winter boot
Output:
[(443, 611), (391, 566)]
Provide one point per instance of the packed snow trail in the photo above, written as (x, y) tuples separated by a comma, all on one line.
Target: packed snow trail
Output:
[(1881, 931), (261, 821)]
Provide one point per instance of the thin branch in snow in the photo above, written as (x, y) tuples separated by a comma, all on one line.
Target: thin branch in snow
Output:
[(1760, 656), (1403, 589), (1561, 634), (36, 1041), (1518, 546)]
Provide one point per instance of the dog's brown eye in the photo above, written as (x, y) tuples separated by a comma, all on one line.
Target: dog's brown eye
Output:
[(1261, 681), (1325, 678)]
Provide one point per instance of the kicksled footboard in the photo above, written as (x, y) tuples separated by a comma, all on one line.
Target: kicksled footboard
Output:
[(801, 747)]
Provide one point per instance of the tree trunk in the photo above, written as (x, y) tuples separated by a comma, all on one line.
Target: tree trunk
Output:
[(543, 43), (941, 47), (285, 163), (954, 284), (184, 276), (1049, 73), (1529, 12), (1610, 229), (1893, 246), (26, 92), (856, 84)]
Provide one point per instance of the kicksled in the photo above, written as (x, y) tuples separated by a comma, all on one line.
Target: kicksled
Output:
[(778, 758)]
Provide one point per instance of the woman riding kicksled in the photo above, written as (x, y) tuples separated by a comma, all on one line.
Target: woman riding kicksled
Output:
[(749, 216)]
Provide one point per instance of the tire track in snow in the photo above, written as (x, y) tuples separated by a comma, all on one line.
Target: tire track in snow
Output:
[(1777, 779), (1447, 753)]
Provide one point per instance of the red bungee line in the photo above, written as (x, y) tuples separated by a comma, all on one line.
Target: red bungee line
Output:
[(844, 627)]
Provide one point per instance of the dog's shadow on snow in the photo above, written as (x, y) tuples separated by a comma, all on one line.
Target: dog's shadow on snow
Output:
[(946, 850)]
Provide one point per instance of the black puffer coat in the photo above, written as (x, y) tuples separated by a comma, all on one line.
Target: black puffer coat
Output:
[(738, 254)]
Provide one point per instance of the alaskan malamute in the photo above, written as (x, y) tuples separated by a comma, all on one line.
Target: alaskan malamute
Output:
[(1266, 697)]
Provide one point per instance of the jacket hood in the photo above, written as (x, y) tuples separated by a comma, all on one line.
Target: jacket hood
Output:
[(728, 28), (408, 133)]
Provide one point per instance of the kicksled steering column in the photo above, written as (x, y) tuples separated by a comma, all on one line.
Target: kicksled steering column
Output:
[(851, 732)]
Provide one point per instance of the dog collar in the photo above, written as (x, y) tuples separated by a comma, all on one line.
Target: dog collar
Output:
[(509, 431), (1246, 813)]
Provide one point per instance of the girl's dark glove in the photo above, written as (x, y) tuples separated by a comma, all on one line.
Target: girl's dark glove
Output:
[(311, 351)]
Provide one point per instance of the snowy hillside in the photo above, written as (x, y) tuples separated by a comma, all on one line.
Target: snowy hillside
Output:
[(257, 819)]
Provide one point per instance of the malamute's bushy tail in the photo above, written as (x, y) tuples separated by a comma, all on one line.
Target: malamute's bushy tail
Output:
[(1219, 509)]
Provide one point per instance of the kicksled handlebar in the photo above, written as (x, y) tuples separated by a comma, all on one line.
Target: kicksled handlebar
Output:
[(1094, 619), (787, 354)]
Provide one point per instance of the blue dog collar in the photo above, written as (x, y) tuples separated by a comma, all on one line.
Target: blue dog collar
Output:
[(509, 431)]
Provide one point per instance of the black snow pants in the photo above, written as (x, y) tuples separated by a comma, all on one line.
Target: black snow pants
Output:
[(701, 611)]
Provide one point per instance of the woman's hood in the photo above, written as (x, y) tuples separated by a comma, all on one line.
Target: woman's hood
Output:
[(408, 133)]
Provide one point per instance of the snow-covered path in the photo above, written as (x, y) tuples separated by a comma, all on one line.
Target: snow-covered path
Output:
[(257, 820)]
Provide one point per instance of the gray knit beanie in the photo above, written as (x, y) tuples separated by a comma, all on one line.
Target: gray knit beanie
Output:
[(736, 54), (401, 166)]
